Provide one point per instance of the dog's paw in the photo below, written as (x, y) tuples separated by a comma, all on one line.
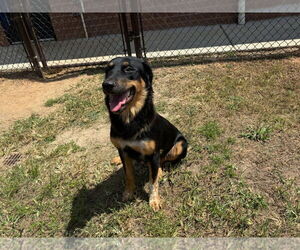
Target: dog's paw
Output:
[(127, 196), (116, 161), (155, 203)]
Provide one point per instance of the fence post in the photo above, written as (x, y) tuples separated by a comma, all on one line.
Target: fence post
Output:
[(29, 48), (142, 34), (136, 28), (125, 33), (241, 11), (35, 40)]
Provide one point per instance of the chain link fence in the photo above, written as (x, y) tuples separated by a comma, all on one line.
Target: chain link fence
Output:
[(12, 53), (82, 39), (58, 39), (207, 34)]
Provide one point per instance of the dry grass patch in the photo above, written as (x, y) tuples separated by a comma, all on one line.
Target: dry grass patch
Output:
[(229, 185)]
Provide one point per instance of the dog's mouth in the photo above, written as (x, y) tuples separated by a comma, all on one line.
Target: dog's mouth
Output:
[(118, 102)]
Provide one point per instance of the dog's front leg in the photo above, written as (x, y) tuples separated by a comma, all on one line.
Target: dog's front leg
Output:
[(129, 176), (155, 173)]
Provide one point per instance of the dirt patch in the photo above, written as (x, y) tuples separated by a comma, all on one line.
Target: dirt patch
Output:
[(296, 59), (263, 164), (19, 98), (96, 135)]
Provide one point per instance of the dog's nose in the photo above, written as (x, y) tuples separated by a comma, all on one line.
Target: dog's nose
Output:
[(108, 85)]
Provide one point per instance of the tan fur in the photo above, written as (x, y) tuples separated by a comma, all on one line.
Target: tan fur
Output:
[(116, 161), (154, 198), (175, 151), (117, 142), (138, 100), (146, 147), (129, 179)]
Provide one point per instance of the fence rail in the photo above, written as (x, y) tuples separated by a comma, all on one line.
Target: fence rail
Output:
[(41, 40)]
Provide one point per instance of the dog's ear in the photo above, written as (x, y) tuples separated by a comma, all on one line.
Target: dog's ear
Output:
[(148, 72)]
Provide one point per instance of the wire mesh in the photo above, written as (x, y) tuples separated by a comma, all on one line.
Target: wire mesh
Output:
[(81, 38), (12, 53), (88, 38), (177, 34)]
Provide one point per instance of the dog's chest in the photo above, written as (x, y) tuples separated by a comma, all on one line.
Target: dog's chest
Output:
[(144, 147)]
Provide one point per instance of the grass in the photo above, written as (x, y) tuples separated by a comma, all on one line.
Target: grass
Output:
[(261, 133), (229, 185), (210, 130)]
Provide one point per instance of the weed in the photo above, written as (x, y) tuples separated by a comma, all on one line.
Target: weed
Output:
[(160, 226), (210, 130), (231, 140), (234, 103), (51, 102), (230, 171), (260, 133)]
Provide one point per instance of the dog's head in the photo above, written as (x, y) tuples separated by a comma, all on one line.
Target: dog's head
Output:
[(127, 83)]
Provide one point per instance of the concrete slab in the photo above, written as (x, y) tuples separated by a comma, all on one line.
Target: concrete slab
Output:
[(83, 48), (185, 38), (12, 54), (278, 30)]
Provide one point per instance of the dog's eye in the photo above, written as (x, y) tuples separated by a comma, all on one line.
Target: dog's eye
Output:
[(129, 69)]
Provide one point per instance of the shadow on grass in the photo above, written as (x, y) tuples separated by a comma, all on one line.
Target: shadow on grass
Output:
[(56, 73), (104, 198), (62, 73)]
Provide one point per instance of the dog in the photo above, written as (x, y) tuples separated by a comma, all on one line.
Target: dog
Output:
[(138, 132)]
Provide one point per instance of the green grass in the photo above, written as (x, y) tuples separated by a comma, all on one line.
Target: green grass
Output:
[(260, 133), (51, 102), (235, 103), (210, 130), (227, 186)]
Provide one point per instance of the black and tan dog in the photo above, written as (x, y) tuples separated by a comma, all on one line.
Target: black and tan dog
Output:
[(137, 131)]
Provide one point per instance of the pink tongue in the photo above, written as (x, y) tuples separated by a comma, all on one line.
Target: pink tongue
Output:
[(116, 101)]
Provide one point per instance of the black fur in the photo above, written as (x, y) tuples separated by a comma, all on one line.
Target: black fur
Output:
[(147, 124)]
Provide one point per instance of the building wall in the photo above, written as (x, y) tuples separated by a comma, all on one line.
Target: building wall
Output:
[(153, 21), (3, 38), (101, 23), (67, 25)]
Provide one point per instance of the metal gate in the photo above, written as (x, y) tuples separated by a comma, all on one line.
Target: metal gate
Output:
[(34, 34)]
